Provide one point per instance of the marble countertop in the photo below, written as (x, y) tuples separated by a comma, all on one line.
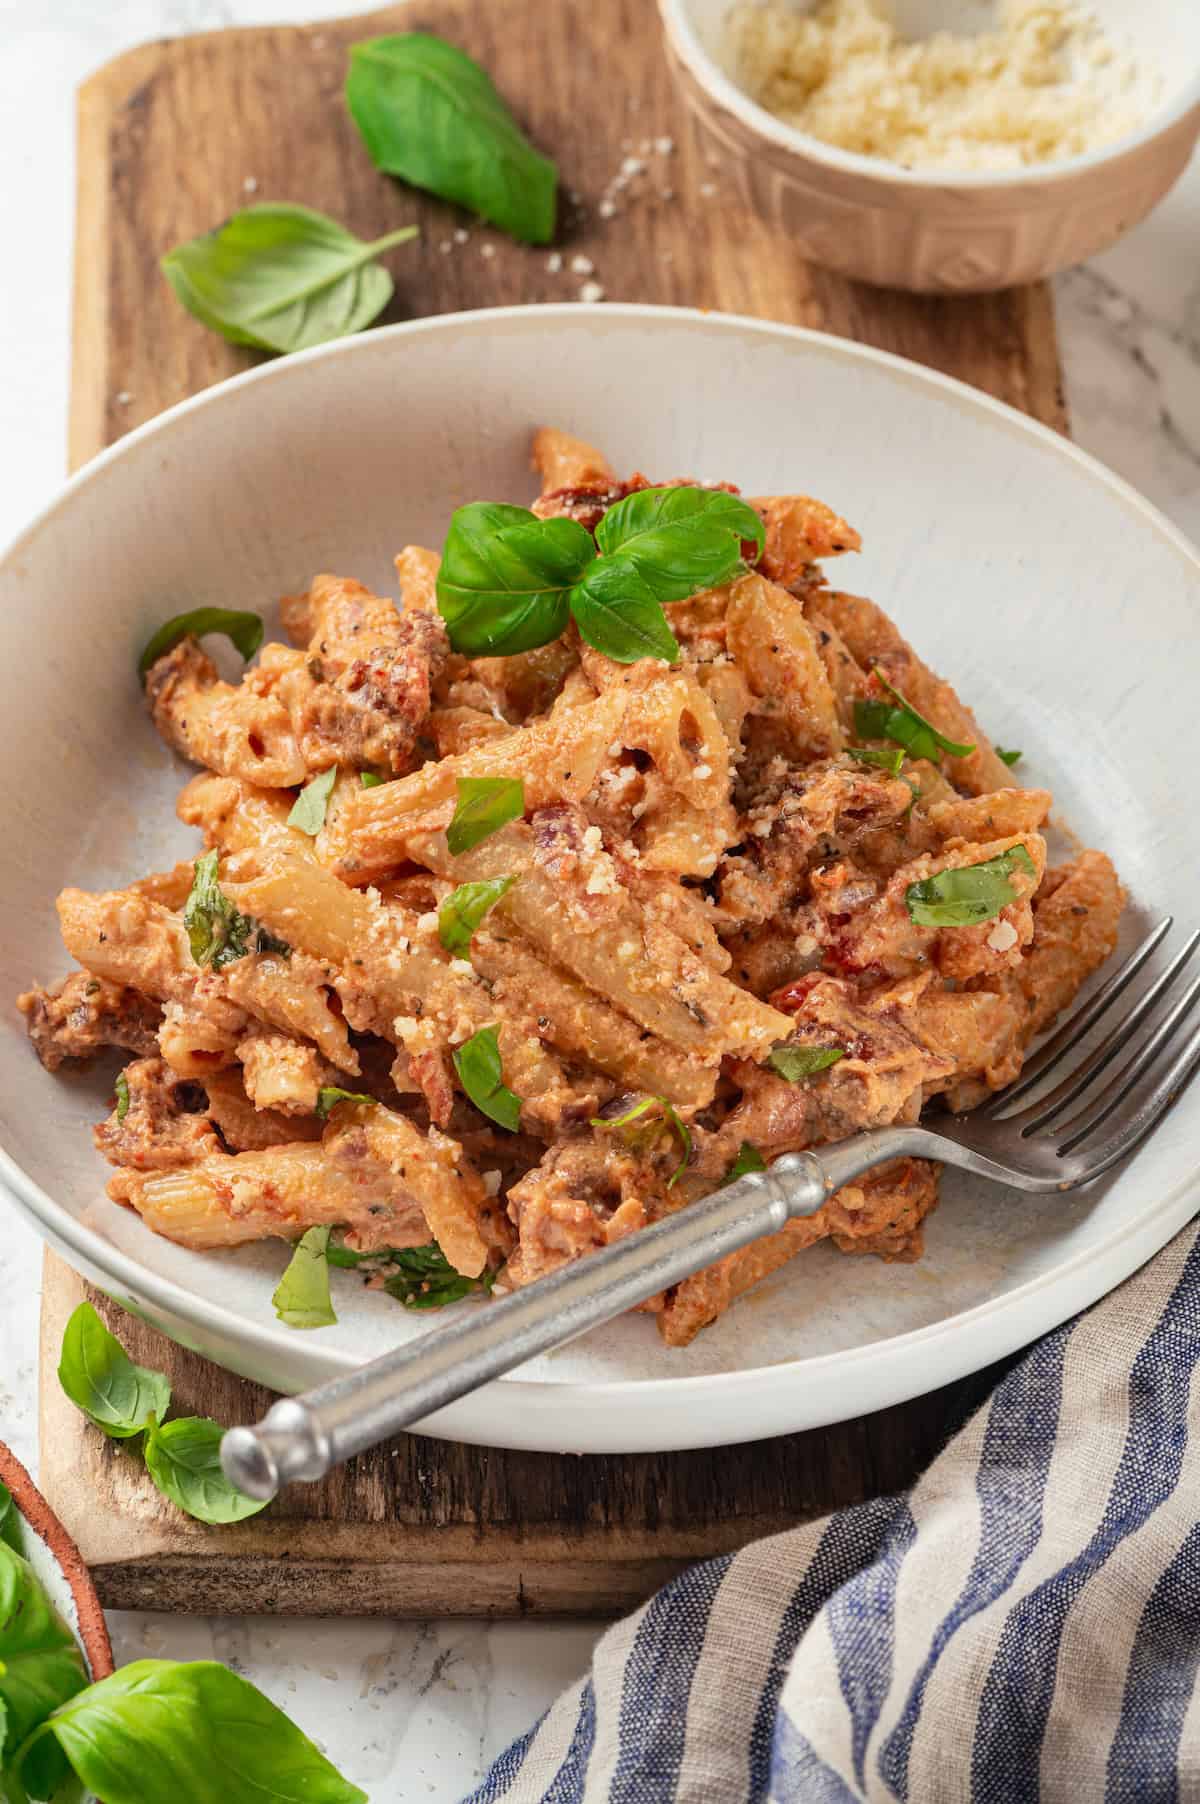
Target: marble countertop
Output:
[(415, 1711)]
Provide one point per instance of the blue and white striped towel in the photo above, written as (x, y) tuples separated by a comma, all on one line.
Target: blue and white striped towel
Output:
[(1024, 1626)]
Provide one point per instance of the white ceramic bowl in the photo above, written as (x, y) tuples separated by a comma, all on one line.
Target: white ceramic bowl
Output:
[(1062, 604), (933, 230)]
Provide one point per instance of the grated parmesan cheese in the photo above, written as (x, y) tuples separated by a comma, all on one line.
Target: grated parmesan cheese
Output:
[(1044, 84)]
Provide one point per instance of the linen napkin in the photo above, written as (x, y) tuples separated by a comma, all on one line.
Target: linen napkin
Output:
[(1023, 1626)]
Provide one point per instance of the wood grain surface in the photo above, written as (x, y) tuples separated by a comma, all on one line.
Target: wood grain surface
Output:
[(173, 138)]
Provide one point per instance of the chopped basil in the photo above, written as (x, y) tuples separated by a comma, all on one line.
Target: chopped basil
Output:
[(302, 1297), (423, 1278), (122, 1089), (1007, 757), (478, 1064), (308, 811), (670, 1115), (899, 721), (796, 1062), (969, 895), (464, 908), (892, 762), (217, 934), (245, 630), (328, 1097), (369, 779), (749, 1159), (485, 804)]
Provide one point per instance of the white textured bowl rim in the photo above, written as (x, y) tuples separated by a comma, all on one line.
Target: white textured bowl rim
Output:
[(1106, 1257), (710, 75)]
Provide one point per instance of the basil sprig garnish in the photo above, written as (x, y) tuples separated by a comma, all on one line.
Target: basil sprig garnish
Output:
[(329, 1095), (463, 910), (100, 1378), (243, 629), (174, 1732), (485, 804), (217, 934), (969, 895), (900, 722), (891, 762), (418, 1277), (669, 1114), (1006, 756), (429, 114), (308, 810), (121, 1088), (509, 582), (281, 277), (797, 1062), (302, 1297), (749, 1159), (481, 1072)]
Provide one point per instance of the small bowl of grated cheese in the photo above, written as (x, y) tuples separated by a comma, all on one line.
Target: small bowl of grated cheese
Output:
[(947, 146)]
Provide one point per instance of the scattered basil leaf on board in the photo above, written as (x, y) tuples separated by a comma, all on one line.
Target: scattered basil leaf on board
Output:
[(969, 895), (121, 1090), (167, 1732), (329, 1095), (40, 1663), (749, 1159), (617, 611), (217, 934), (184, 1460), (429, 114), (680, 539), (891, 762), (899, 721), (308, 810), (1007, 757), (100, 1378), (302, 1297), (796, 1062), (464, 908), (505, 577), (281, 277), (670, 1115), (245, 631), (369, 779), (477, 1062), (485, 804)]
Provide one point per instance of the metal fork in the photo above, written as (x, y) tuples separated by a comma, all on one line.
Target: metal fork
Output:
[(1054, 1140)]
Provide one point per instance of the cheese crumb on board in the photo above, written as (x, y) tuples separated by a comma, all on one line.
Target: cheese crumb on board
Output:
[(1044, 84)]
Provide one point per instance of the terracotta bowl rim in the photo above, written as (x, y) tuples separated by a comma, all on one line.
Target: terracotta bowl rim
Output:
[(33, 1508)]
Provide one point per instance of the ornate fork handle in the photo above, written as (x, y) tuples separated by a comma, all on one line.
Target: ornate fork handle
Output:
[(303, 1437)]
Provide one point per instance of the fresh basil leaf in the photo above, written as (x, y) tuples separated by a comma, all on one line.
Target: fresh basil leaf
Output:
[(464, 908), (6, 1505), (505, 576), (749, 1159), (308, 810), (477, 1062), (281, 277), (217, 934), (423, 1278), (121, 1089), (670, 1115), (429, 114), (162, 1732), (898, 720), (10, 1536), (485, 804), (244, 630), (302, 1297), (969, 895), (184, 1460), (1007, 757), (100, 1378), (796, 1062), (40, 1663), (617, 611), (892, 762), (369, 779), (680, 540), (329, 1095)]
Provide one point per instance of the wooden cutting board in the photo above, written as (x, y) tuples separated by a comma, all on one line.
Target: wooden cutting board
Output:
[(172, 138)]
